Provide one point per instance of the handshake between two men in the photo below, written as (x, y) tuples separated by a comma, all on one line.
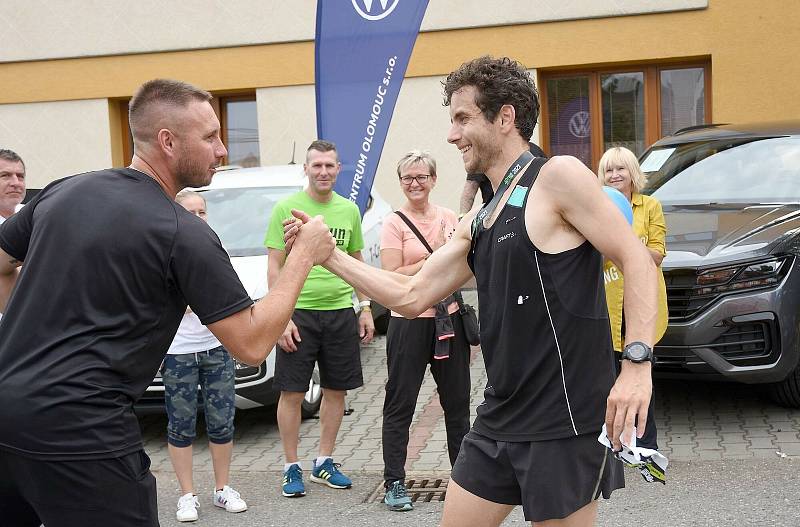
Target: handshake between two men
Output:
[(314, 241)]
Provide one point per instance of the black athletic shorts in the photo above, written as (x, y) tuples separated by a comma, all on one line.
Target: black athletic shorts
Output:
[(329, 338), (114, 492), (550, 479)]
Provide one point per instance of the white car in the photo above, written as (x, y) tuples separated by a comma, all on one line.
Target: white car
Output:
[(240, 203)]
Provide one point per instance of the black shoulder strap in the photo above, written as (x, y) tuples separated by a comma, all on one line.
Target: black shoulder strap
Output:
[(534, 166), (530, 175), (525, 158), (414, 230)]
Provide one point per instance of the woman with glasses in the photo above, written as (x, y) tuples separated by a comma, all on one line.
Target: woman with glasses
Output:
[(435, 338)]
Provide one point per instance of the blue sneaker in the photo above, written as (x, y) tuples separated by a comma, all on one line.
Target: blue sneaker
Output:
[(328, 474), (396, 497), (293, 482)]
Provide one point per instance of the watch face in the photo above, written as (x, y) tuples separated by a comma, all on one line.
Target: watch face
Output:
[(637, 352)]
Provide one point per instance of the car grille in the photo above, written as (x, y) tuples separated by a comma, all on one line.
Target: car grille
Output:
[(683, 299), (743, 342), (748, 344)]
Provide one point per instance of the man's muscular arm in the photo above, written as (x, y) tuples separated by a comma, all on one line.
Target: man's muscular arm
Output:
[(445, 271), (573, 192), (250, 334)]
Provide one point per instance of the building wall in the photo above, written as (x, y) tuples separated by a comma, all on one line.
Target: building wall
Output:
[(43, 29), (57, 139), (287, 117), (753, 65)]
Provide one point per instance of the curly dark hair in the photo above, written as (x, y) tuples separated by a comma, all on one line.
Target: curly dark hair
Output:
[(498, 81)]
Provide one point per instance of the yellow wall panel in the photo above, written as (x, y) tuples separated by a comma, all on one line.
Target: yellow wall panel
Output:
[(753, 48)]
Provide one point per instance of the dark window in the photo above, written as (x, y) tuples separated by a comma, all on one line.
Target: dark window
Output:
[(240, 130), (586, 112)]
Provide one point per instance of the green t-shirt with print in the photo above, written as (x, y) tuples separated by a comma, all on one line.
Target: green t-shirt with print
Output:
[(323, 290)]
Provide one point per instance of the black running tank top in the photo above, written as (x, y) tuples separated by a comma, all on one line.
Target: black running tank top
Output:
[(545, 333)]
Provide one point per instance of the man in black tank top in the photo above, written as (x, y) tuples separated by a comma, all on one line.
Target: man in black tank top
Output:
[(535, 251)]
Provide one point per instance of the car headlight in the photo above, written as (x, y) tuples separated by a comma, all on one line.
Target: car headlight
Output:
[(742, 277)]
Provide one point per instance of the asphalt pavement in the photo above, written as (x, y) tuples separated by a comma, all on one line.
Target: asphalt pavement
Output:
[(758, 492), (734, 459)]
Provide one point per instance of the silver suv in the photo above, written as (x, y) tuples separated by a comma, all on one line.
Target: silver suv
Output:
[(731, 199)]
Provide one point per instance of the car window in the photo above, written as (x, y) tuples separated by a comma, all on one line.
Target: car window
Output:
[(240, 216), (752, 170)]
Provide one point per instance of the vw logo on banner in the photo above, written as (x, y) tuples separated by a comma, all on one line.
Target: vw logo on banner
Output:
[(385, 9), (360, 58), (579, 124)]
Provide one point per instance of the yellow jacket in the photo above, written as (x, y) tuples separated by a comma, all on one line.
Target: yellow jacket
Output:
[(649, 226)]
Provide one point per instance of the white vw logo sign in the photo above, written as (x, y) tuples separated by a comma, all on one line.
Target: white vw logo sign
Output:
[(364, 8), (579, 124)]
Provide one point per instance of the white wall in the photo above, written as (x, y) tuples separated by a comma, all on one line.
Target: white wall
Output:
[(57, 139), (287, 114), (46, 29), (420, 121)]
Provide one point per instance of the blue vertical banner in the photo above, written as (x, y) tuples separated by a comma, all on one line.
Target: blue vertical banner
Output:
[(361, 55)]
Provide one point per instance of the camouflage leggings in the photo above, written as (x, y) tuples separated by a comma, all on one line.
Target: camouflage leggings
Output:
[(213, 370)]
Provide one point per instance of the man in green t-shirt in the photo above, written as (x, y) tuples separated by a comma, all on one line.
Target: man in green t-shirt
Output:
[(324, 327)]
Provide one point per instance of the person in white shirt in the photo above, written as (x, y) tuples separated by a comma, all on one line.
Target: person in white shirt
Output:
[(195, 358)]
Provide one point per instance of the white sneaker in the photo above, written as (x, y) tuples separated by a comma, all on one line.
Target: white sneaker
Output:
[(229, 499), (187, 508)]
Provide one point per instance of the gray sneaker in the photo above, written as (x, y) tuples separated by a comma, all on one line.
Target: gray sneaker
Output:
[(397, 498)]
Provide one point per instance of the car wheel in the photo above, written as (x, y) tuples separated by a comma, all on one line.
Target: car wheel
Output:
[(382, 324), (313, 397), (787, 392)]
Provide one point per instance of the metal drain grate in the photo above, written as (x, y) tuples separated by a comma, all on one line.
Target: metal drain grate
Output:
[(420, 489)]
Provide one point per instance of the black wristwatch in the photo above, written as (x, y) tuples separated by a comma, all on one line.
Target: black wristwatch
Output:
[(638, 352)]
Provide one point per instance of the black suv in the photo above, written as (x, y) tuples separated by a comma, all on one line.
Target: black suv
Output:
[(731, 198)]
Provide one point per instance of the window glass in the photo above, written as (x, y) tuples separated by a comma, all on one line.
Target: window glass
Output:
[(623, 111), (568, 118), (682, 99), (748, 170), (241, 129), (240, 216)]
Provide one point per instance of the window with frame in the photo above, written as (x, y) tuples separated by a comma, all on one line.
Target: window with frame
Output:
[(238, 118), (586, 112)]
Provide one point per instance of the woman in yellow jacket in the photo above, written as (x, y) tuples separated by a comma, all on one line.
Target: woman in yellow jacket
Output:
[(619, 169)]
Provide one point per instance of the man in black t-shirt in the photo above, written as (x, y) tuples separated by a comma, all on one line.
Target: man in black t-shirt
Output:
[(111, 263), (545, 336), (480, 182)]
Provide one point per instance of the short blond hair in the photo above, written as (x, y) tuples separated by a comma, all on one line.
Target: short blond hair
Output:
[(622, 156), (185, 194), (417, 156)]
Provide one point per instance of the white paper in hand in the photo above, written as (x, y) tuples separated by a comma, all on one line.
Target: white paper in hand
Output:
[(643, 459)]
